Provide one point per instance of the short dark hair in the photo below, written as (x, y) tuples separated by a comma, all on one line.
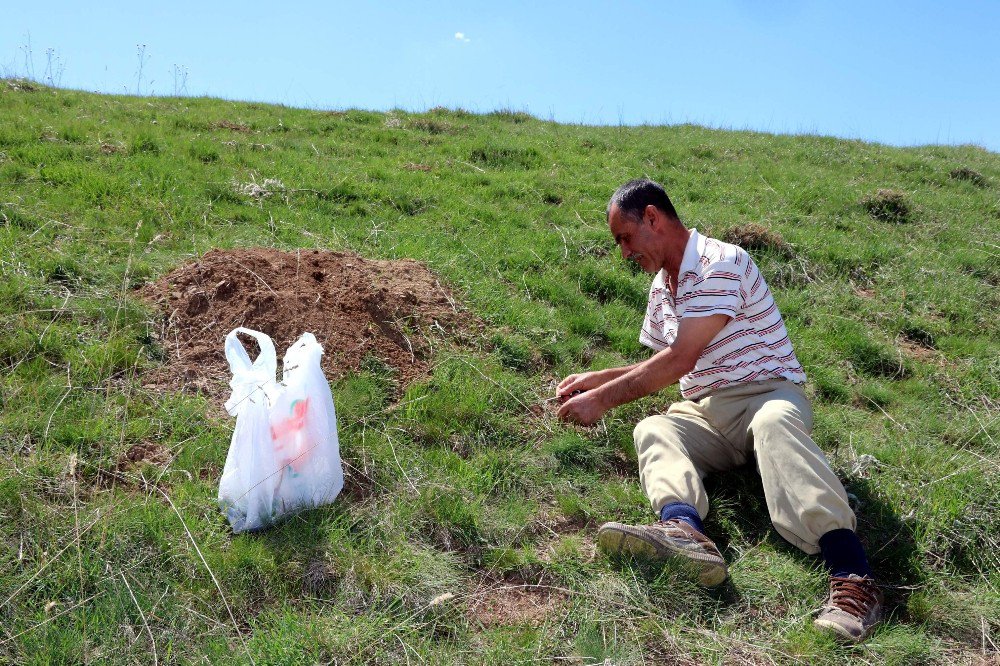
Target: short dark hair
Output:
[(633, 197)]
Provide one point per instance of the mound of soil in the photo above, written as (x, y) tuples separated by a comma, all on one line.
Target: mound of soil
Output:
[(390, 310)]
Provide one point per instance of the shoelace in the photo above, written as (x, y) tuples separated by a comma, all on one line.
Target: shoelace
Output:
[(853, 596), (673, 526)]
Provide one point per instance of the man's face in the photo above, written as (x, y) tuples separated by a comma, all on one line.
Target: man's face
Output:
[(637, 240)]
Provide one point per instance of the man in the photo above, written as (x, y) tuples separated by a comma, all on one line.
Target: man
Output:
[(715, 328)]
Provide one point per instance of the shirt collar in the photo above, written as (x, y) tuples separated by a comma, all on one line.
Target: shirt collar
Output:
[(689, 262), (692, 253)]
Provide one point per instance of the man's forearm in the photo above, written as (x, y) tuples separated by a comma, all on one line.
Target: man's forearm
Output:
[(642, 379), (611, 374)]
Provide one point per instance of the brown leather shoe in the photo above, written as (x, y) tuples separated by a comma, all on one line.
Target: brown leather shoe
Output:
[(666, 539), (853, 608)]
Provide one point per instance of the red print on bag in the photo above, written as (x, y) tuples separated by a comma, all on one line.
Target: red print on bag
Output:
[(289, 440)]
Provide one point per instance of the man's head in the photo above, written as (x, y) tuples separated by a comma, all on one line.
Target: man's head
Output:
[(644, 223), (633, 197)]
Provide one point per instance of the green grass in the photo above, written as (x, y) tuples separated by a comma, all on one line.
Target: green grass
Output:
[(457, 485)]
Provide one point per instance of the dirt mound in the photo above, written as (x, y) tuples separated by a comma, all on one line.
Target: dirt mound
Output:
[(357, 308)]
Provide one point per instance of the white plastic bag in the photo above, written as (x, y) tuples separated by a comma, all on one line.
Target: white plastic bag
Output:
[(284, 455)]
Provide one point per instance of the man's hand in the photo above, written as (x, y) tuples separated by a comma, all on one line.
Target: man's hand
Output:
[(582, 381), (604, 389), (584, 408)]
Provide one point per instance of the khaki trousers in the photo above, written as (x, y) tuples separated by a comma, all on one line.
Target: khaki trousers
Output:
[(771, 420)]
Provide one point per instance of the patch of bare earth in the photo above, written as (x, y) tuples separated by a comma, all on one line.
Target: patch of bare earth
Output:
[(126, 468), (232, 126), (143, 452), (112, 148), (551, 521), (918, 352), (514, 601), (393, 311)]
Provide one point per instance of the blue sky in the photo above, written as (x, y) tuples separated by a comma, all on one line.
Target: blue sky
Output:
[(903, 73)]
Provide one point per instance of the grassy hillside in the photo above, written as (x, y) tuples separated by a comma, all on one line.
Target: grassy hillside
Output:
[(460, 484)]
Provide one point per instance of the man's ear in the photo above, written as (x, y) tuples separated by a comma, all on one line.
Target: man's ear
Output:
[(650, 215)]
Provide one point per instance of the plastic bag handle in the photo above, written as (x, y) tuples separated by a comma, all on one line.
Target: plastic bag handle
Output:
[(237, 355), (299, 354), (250, 377)]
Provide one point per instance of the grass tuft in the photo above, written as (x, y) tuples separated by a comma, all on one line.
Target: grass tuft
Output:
[(512, 116), (144, 143), (887, 205), (968, 175), (754, 237), (506, 157), (432, 126)]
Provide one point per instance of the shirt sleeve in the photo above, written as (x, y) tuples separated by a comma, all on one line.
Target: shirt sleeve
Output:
[(715, 291)]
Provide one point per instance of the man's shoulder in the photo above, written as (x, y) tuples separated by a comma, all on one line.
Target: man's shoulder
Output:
[(715, 258), (715, 251)]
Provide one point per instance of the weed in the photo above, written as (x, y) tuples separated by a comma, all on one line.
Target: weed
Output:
[(573, 451), (266, 189), (141, 59), (13, 174), (54, 68), (180, 74)]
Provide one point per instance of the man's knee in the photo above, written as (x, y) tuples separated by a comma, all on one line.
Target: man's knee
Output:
[(643, 429), (658, 429), (782, 420), (780, 439), (659, 432)]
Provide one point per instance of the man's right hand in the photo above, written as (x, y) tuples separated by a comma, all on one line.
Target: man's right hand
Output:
[(582, 381)]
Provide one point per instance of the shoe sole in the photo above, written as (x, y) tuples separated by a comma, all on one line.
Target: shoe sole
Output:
[(842, 634), (625, 539)]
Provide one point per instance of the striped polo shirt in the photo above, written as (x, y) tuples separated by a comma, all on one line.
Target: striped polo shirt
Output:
[(719, 278)]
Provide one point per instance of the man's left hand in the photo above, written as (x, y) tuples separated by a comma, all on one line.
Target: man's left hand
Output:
[(585, 409)]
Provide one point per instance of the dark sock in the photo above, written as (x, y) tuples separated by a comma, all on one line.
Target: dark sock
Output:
[(685, 512), (843, 553)]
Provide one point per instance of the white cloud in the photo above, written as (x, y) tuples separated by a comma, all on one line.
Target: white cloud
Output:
[(460, 36)]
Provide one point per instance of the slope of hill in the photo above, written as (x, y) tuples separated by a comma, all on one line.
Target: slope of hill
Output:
[(466, 532)]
